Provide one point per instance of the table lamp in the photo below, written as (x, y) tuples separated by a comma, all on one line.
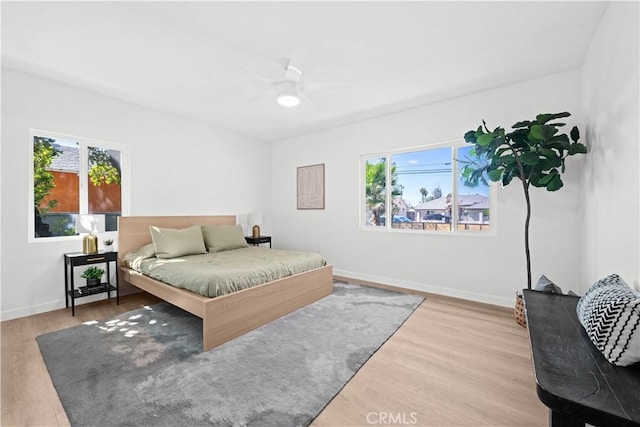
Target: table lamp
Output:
[(92, 224), (256, 220)]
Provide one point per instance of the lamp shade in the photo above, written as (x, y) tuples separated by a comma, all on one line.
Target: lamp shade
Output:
[(255, 219), (90, 223)]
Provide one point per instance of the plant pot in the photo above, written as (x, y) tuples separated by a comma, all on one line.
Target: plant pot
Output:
[(108, 248), (518, 311), (93, 282)]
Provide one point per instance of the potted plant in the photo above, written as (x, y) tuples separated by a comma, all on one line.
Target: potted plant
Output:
[(93, 276), (534, 153), (108, 245)]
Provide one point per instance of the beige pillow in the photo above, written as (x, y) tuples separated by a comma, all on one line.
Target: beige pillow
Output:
[(171, 243), (223, 237)]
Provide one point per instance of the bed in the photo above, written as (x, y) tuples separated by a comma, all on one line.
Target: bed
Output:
[(228, 316)]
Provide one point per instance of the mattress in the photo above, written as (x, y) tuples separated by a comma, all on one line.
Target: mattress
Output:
[(220, 273)]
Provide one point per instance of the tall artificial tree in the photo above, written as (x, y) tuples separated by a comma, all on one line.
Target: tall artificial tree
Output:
[(534, 153)]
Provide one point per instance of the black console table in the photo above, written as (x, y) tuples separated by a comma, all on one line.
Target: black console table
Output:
[(75, 259), (572, 377)]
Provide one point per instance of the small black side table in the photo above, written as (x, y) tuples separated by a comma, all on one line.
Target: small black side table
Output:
[(75, 259), (255, 241)]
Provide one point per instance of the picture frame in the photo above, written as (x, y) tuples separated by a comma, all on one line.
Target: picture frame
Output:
[(310, 187)]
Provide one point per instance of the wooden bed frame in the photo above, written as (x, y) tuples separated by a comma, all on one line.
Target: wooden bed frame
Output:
[(228, 316)]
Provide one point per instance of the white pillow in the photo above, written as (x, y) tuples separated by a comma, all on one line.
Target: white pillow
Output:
[(171, 243), (610, 313)]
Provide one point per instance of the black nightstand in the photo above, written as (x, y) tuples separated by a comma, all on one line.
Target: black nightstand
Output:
[(255, 241), (75, 259)]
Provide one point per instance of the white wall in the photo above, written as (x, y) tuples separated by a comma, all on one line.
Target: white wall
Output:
[(486, 269), (178, 168), (611, 182)]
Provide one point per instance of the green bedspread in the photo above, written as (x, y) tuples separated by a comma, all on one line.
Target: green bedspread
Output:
[(220, 273)]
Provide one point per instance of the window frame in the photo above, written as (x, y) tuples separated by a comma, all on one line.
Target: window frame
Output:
[(83, 144), (388, 226)]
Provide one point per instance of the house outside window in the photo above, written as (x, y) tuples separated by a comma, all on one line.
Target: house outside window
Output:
[(73, 176), (419, 187)]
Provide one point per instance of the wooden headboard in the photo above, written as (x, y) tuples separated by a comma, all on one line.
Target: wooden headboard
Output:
[(133, 231)]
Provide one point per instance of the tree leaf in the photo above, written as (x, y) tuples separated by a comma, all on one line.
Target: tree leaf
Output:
[(470, 136), (553, 162), (529, 158), (577, 148), (545, 179), (518, 135), (548, 153), (542, 132), (562, 139), (546, 117), (536, 132), (495, 175), (506, 160), (575, 134), (485, 139), (496, 143), (555, 184), (506, 178), (523, 124)]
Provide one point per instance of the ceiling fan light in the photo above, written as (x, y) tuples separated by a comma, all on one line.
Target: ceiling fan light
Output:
[(287, 93), (288, 100)]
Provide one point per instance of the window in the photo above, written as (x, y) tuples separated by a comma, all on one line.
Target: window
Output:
[(74, 176), (417, 187)]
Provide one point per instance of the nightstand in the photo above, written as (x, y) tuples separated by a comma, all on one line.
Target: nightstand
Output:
[(76, 259), (255, 241)]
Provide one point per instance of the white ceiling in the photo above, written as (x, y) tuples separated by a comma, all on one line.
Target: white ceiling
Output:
[(208, 61)]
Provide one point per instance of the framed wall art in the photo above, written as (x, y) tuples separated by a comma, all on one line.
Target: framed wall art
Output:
[(310, 181)]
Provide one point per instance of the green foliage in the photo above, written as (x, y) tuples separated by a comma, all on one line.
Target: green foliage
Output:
[(43, 154), (101, 167), (107, 242), (424, 193), (435, 194), (92, 273), (534, 152), (375, 187), (61, 227)]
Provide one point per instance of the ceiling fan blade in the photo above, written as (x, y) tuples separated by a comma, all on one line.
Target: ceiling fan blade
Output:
[(262, 79), (306, 102), (260, 96), (309, 86)]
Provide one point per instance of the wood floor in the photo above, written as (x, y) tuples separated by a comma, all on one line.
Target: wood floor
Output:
[(453, 363)]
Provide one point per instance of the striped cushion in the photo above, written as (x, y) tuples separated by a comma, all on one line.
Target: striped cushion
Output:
[(612, 279), (610, 313)]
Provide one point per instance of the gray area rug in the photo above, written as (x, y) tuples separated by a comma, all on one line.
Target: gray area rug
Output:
[(147, 368)]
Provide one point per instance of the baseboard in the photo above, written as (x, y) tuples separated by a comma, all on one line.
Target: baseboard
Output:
[(455, 293), (30, 310), (49, 306)]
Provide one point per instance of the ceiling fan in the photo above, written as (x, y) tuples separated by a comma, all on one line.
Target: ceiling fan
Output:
[(289, 89)]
